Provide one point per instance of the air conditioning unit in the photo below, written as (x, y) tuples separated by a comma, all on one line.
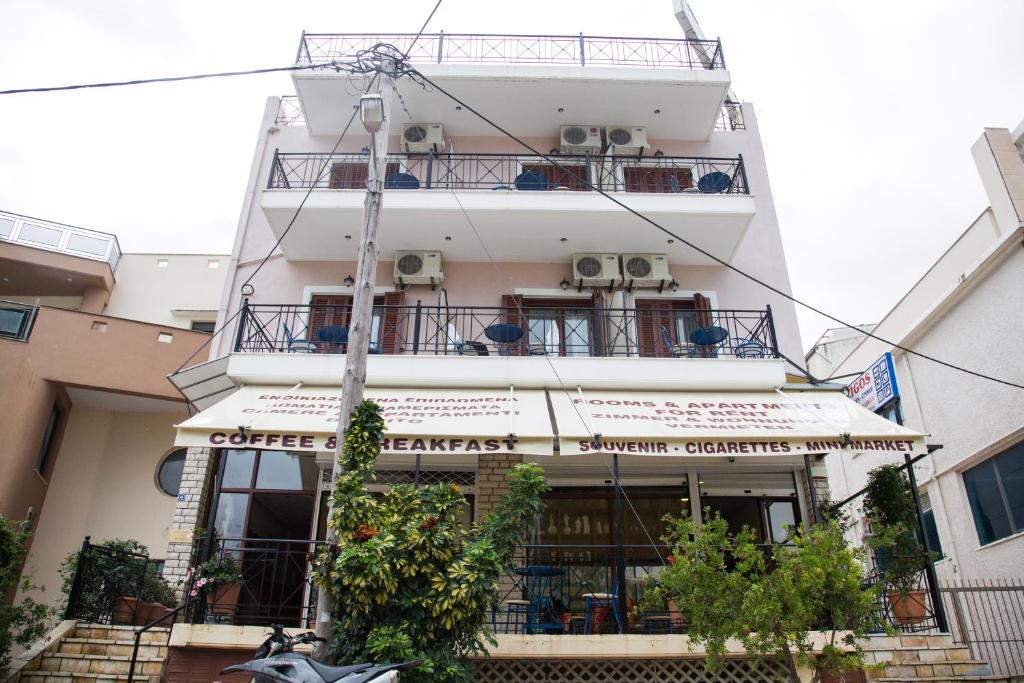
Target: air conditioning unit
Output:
[(577, 139), (418, 268), (645, 270), (422, 137), (626, 140), (596, 269)]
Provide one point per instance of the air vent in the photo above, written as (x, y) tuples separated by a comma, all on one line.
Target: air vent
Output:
[(626, 140), (577, 139), (422, 137), (418, 268), (596, 269), (588, 266), (637, 267), (645, 270), (410, 264)]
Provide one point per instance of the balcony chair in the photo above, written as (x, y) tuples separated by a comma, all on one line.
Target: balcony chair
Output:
[(515, 614), (531, 180), (675, 350), (296, 345), (748, 348), (595, 601), (401, 181), (715, 182), (471, 348)]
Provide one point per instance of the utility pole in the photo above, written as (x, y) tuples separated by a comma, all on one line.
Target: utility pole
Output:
[(376, 116)]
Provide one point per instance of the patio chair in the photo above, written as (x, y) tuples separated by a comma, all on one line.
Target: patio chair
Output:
[(609, 602), (675, 350), (296, 345), (748, 348)]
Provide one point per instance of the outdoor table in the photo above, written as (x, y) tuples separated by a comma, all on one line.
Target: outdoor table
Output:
[(541, 616), (707, 338), (504, 336)]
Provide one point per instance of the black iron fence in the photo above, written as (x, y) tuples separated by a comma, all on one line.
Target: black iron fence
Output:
[(987, 615), (110, 585), (497, 330), (16, 319), (514, 172), (467, 48), (272, 586)]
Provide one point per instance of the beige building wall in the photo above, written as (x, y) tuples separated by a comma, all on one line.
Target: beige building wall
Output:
[(104, 485), (168, 289)]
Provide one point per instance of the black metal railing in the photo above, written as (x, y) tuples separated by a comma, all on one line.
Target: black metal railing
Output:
[(469, 48), (110, 586), (987, 615), (514, 172), (907, 607), (17, 319), (510, 331), (274, 588), (731, 117), (289, 112)]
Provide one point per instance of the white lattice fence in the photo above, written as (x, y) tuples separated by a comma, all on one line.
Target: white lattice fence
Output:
[(626, 671)]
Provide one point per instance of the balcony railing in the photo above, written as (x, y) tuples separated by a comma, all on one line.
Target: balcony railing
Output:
[(65, 239), (531, 330), (16, 320), (731, 117), (514, 172), (289, 112), (466, 48)]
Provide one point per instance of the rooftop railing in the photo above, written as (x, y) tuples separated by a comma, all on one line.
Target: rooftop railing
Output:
[(65, 239), (571, 330), (482, 48), (512, 172)]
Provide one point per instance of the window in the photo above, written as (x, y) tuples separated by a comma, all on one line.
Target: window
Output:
[(931, 529), (168, 475), (664, 326), (206, 326), (51, 439), (560, 328), (995, 490)]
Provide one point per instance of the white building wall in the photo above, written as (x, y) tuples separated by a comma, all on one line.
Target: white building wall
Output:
[(168, 289)]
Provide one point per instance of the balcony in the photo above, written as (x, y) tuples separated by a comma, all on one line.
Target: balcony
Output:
[(60, 238), (532, 82), (504, 331), (519, 206)]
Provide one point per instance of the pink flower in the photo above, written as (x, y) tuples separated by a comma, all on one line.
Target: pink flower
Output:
[(194, 593), (201, 582)]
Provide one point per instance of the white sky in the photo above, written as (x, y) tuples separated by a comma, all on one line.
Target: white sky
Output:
[(867, 110)]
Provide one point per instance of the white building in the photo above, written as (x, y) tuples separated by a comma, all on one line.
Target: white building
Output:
[(832, 347), (968, 310)]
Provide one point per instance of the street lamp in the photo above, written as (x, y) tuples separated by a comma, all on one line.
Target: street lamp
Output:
[(371, 112)]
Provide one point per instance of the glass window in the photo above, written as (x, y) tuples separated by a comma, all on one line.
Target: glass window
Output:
[(168, 476), (49, 438), (238, 469), (781, 520), (88, 245), (931, 530), (577, 333), (283, 470), (207, 326), (686, 322), (995, 492), (39, 234), (230, 520)]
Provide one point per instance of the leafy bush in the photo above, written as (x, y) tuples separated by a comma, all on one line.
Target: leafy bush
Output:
[(26, 621), (889, 503), (770, 599), (114, 569), (407, 580)]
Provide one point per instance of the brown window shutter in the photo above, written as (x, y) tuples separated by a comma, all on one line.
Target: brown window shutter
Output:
[(703, 306), (349, 175), (651, 316), (327, 310), (393, 323), (598, 328), (511, 305)]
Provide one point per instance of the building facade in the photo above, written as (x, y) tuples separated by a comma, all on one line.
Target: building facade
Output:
[(971, 487), (88, 336), (519, 315)]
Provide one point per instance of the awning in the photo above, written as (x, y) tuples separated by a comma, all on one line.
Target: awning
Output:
[(428, 421), (729, 424)]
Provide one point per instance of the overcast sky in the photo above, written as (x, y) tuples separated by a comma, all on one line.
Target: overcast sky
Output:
[(867, 110)]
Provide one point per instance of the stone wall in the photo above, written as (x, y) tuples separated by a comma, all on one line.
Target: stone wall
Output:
[(196, 478), (492, 479)]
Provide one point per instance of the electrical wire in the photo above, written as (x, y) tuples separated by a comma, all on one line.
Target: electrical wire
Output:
[(165, 79), (422, 29), (700, 250)]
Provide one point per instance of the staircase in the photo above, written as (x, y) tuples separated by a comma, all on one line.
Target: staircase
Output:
[(94, 652), (931, 658)]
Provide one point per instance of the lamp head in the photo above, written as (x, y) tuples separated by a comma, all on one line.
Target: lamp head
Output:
[(371, 112)]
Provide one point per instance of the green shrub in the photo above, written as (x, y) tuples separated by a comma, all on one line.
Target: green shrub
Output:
[(27, 621), (113, 570)]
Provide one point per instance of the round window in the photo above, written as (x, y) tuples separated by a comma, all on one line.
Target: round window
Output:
[(168, 477)]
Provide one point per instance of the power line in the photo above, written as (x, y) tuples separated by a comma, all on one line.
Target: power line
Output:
[(422, 29), (700, 250), (165, 79)]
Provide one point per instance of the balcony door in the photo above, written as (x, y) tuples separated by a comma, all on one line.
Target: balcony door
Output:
[(331, 310), (557, 326), (664, 326)]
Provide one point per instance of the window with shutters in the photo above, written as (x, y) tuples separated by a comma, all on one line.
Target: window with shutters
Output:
[(352, 175), (664, 326), (330, 313), (556, 326), (565, 176), (655, 179)]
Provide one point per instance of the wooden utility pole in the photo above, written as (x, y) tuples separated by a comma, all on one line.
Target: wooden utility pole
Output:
[(361, 320)]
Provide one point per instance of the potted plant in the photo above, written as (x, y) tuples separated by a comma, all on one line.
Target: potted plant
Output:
[(111, 583), (218, 580), (899, 554)]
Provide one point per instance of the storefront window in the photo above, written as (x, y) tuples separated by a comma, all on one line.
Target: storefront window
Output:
[(282, 470), (238, 469)]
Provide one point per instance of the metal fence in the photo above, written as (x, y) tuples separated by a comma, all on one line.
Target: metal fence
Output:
[(987, 615), (475, 48), (511, 331), (108, 585), (731, 117), (17, 319), (513, 172), (289, 112)]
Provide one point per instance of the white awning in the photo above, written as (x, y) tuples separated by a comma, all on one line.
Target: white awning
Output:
[(428, 421), (729, 424)]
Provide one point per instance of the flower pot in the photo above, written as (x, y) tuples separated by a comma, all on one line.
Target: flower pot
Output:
[(908, 608), (153, 611), (127, 610), (221, 600)]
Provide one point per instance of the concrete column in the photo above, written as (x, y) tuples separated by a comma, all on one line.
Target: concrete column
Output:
[(193, 496)]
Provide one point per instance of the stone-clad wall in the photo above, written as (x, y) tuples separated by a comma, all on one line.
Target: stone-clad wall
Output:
[(193, 495), (492, 479)]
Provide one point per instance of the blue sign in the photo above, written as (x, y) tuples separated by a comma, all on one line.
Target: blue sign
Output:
[(876, 386)]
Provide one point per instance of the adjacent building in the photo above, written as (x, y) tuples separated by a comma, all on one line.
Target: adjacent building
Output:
[(967, 310), (88, 336)]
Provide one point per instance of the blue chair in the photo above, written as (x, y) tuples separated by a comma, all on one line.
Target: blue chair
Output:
[(675, 350), (594, 601), (715, 182), (515, 614), (673, 184), (748, 348), (296, 345), (531, 180), (401, 181)]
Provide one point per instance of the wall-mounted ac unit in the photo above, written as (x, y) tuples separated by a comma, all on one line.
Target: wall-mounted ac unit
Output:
[(418, 268), (576, 139), (422, 137), (644, 270), (596, 269), (626, 140)]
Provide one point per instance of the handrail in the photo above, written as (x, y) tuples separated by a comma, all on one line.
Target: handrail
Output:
[(138, 636)]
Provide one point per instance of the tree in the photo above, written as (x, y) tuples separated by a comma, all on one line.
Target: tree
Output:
[(26, 621), (407, 580), (771, 599)]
